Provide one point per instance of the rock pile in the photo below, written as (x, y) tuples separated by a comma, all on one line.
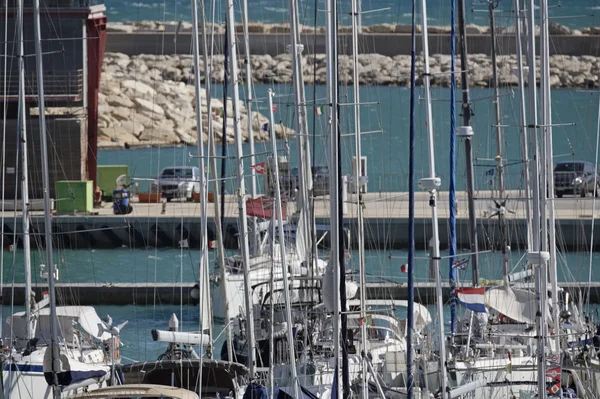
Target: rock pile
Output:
[(143, 102), (150, 100)]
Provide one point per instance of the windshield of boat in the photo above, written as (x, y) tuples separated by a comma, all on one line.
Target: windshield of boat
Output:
[(178, 172), (569, 167)]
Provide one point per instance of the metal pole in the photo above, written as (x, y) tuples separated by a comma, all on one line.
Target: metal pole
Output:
[(284, 268), (47, 205), (254, 242), (22, 123), (333, 184), (241, 190), (431, 185), (304, 172), (550, 180), (203, 265), (499, 160), (466, 110), (359, 203), (213, 171), (524, 135)]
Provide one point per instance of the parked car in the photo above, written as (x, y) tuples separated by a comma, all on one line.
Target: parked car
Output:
[(575, 178), (178, 182)]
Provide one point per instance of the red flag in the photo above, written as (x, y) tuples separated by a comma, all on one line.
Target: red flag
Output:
[(262, 207), (260, 168), (554, 388), (553, 373)]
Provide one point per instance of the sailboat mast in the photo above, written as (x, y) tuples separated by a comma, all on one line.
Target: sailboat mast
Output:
[(254, 241), (241, 189), (334, 259), (524, 133), (212, 162), (282, 250), (411, 213), (432, 184), (203, 266), (305, 185), (537, 258), (359, 203), (47, 206), (498, 158), (22, 122), (466, 113), (547, 122)]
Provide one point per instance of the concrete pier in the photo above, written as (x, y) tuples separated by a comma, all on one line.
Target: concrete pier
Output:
[(389, 44), (386, 223), (174, 294)]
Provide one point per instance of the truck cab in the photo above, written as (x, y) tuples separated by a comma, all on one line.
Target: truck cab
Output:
[(179, 182)]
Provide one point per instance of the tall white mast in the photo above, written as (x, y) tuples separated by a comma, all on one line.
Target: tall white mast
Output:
[(254, 242), (22, 122), (241, 191), (547, 122), (212, 162), (204, 305), (431, 184), (284, 267), (334, 259), (524, 135), (47, 206), (303, 148), (537, 257), (359, 198)]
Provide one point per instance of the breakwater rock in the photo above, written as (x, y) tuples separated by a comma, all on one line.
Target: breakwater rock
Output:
[(143, 103), (150, 99)]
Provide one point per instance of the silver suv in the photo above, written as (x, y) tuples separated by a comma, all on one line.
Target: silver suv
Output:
[(178, 182), (576, 178)]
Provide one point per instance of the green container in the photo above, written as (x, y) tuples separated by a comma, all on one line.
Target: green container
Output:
[(106, 178), (74, 196)]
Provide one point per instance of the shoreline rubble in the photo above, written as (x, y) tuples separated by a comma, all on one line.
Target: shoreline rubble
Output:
[(148, 100)]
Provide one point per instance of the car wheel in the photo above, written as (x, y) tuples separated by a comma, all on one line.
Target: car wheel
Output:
[(558, 195)]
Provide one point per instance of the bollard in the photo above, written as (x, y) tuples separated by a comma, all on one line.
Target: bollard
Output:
[(164, 206)]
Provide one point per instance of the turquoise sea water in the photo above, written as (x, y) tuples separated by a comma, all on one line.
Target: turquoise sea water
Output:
[(573, 13), (387, 149)]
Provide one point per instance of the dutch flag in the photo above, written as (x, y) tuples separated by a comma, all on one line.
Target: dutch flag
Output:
[(471, 298)]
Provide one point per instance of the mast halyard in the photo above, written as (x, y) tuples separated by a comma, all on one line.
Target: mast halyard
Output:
[(22, 125), (54, 348), (254, 238), (212, 166), (203, 266), (524, 132), (537, 257), (305, 186), (334, 259), (499, 160), (466, 114), (432, 184), (359, 203), (284, 266), (549, 169), (241, 190)]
